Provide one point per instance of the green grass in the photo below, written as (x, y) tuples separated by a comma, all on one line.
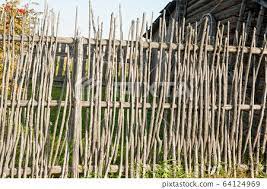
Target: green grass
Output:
[(164, 169)]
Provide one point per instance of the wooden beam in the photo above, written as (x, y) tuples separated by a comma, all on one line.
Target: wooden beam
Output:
[(57, 170), (127, 105), (157, 45)]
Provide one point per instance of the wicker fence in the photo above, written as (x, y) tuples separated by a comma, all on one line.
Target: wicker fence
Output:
[(88, 107)]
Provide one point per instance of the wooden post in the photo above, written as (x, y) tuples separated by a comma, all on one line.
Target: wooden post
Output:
[(61, 63), (77, 110)]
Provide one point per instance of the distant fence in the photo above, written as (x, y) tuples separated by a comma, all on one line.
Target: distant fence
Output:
[(128, 108)]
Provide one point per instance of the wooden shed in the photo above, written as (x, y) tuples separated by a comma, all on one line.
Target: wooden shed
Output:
[(237, 12), (252, 12)]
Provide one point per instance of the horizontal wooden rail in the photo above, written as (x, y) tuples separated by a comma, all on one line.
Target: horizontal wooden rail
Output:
[(124, 43), (104, 104), (57, 170), (64, 40)]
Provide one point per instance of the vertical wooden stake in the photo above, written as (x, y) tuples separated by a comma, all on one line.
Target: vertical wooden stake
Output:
[(77, 110)]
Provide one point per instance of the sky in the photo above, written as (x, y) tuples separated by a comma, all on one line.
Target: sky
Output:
[(131, 9)]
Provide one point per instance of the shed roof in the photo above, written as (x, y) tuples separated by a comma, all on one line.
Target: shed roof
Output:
[(169, 8)]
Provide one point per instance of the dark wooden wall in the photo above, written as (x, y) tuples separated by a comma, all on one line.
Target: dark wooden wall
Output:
[(234, 11), (221, 10)]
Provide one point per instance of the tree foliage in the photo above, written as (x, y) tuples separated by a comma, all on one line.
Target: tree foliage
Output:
[(15, 19)]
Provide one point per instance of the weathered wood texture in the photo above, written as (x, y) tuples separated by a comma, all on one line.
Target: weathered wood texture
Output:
[(203, 112), (236, 11)]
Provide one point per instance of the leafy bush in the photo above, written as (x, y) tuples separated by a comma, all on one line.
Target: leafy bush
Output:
[(14, 20)]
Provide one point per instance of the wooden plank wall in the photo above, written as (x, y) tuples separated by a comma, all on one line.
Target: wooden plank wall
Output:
[(224, 11), (234, 11)]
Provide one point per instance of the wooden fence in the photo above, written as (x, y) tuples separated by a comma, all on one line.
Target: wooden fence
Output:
[(189, 104)]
